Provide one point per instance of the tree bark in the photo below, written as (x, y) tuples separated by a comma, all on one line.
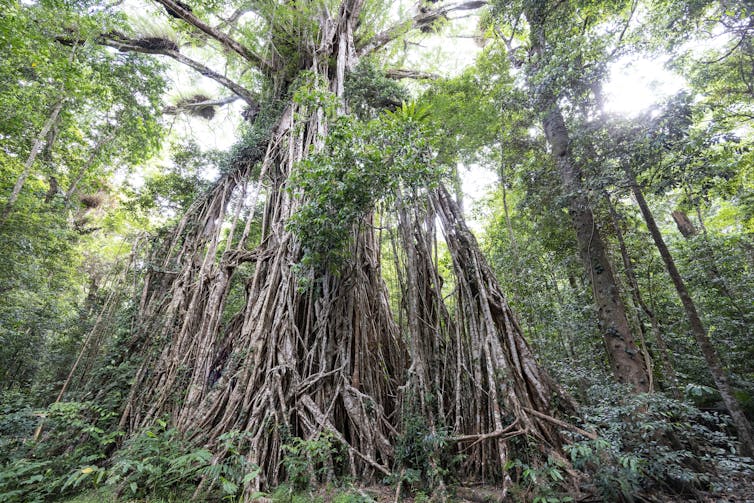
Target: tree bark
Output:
[(684, 224), (664, 352), (625, 357), (714, 364)]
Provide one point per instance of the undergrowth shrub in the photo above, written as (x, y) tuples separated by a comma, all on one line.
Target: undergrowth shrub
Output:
[(653, 442), (17, 423), (424, 457), (307, 462), (160, 463), (74, 454), (538, 484), (75, 434)]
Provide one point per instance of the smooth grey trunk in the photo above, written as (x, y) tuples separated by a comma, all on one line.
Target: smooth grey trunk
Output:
[(714, 364), (36, 148)]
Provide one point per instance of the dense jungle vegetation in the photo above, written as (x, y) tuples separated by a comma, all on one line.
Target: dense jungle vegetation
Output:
[(247, 252)]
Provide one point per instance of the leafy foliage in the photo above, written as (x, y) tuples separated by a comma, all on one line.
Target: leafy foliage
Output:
[(159, 463), (306, 461), (651, 441), (36, 471), (361, 164), (368, 91)]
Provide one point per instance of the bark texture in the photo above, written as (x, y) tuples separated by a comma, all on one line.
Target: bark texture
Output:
[(664, 353), (625, 357)]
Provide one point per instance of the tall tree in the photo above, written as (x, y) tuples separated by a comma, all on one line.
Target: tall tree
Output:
[(719, 374), (558, 37), (645, 143), (314, 348)]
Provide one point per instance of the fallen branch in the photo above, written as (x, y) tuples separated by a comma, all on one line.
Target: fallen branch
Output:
[(483, 436)]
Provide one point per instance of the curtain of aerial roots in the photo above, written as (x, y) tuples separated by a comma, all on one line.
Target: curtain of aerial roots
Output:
[(329, 359), (290, 363), (469, 353), (297, 363)]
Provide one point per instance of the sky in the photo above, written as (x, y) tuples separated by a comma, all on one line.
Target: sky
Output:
[(636, 83)]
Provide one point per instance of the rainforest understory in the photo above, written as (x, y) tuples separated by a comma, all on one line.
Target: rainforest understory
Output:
[(320, 311)]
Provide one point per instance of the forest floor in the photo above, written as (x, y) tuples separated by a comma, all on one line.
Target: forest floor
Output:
[(744, 493), (324, 494)]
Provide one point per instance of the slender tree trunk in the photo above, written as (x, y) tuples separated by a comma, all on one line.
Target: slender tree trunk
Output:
[(664, 352), (626, 362), (509, 226), (624, 354), (717, 280), (89, 163), (36, 148), (714, 364)]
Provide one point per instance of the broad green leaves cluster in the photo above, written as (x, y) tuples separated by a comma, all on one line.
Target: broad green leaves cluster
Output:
[(362, 164)]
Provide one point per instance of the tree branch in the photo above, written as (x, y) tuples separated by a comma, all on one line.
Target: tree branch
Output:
[(123, 43), (221, 37), (588, 434), (231, 21), (420, 20), (200, 104), (400, 73)]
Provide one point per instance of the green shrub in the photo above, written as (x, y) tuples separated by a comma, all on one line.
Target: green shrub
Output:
[(538, 484), (76, 436), (308, 461), (161, 463), (653, 442)]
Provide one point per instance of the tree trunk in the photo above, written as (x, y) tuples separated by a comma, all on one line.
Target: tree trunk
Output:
[(626, 362), (36, 148), (715, 366), (717, 280), (684, 224), (625, 357), (664, 352)]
